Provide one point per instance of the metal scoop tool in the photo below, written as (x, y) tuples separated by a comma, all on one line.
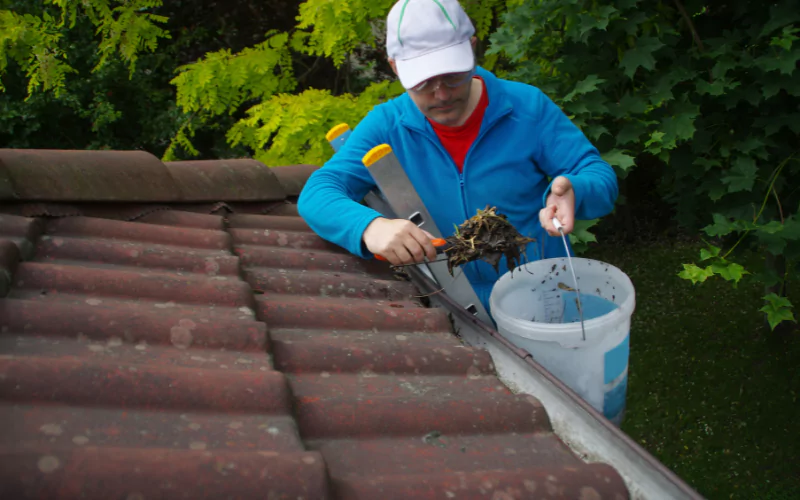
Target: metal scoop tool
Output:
[(560, 228)]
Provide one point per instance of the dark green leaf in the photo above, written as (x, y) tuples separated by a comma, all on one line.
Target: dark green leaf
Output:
[(620, 159), (715, 88), (742, 176), (640, 56), (630, 133), (631, 104), (595, 131), (721, 226), (585, 86), (777, 309), (783, 61), (780, 15), (771, 228)]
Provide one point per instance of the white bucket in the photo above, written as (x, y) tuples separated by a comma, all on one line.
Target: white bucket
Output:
[(541, 317)]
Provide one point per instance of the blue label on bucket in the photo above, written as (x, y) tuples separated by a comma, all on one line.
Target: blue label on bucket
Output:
[(616, 360), (614, 400)]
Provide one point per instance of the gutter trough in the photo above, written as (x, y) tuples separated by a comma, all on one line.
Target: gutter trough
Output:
[(577, 423)]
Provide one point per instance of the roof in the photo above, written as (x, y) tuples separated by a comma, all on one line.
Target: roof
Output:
[(177, 329)]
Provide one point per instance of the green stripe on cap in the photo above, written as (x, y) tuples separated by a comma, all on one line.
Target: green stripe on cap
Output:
[(400, 21), (444, 11), (403, 12)]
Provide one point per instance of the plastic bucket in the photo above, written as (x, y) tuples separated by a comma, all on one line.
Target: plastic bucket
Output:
[(535, 309)]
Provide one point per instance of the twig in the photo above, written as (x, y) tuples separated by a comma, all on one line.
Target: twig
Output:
[(688, 20), (778, 201)]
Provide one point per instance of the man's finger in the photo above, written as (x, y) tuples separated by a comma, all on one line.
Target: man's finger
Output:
[(423, 240), (546, 220), (561, 185)]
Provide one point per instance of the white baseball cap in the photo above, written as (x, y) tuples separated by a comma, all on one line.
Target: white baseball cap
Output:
[(427, 38)]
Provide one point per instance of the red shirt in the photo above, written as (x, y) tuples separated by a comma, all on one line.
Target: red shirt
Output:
[(457, 140)]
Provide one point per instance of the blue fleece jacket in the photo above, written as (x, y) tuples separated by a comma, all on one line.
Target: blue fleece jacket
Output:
[(525, 140)]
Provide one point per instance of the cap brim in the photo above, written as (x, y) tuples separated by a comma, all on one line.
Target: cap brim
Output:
[(453, 59)]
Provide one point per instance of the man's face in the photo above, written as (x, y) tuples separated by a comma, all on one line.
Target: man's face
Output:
[(444, 104)]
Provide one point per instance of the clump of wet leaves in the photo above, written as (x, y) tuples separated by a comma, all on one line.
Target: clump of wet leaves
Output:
[(489, 236)]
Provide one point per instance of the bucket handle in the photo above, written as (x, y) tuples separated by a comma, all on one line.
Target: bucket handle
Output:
[(560, 227)]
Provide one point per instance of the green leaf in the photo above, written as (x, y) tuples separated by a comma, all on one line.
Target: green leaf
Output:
[(709, 253), (783, 61), (595, 131), (721, 226), (778, 309), (730, 271), (585, 86), (620, 159), (695, 274), (771, 228), (680, 124), (780, 15), (742, 176), (641, 56), (715, 88), (630, 133)]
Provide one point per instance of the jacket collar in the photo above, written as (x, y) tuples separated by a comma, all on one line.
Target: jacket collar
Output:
[(499, 104)]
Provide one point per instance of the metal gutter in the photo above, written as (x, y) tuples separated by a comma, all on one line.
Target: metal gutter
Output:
[(576, 422)]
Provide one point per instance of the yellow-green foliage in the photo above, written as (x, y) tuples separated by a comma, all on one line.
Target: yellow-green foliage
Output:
[(33, 42), (125, 29), (221, 81), (281, 128), (289, 129)]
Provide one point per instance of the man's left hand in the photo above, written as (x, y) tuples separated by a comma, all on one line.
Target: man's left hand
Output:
[(560, 204)]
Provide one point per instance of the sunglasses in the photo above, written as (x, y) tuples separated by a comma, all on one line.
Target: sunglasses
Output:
[(450, 80)]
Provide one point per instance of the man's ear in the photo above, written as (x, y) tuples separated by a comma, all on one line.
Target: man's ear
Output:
[(393, 65), (474, 42)]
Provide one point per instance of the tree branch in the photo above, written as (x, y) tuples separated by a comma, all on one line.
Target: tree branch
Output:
[(689, 22)]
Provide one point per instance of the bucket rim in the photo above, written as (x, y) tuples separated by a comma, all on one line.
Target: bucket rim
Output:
[(566, 334)]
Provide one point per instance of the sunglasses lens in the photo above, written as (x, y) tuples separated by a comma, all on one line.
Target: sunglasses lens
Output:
[(452, 80)]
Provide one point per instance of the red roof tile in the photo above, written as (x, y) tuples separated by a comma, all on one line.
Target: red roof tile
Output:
[(197, 355)]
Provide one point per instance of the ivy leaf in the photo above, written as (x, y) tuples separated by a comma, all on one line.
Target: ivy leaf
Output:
[(730, 271), (640, 56), (595, 131), (716, 88), (580, 237), (695, 274), (771, 228), (632, 105), (585, 86), (780, 15), (721, 226), (706, 163), (777, 309), (791, 229), (680, 124), (620, 159), (783, 61), (774, 243), (709, 253), (630, 133), (742, 175)]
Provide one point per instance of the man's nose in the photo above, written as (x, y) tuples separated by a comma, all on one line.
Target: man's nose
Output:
[(441, 91)]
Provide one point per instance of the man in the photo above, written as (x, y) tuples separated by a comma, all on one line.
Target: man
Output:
[(466, 139)]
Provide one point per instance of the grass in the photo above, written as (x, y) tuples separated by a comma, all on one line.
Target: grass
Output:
[(713, 394)]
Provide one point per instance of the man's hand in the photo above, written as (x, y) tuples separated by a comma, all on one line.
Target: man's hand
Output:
[(400, 241), (561, 204)]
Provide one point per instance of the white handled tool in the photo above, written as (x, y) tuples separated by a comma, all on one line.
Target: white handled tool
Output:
[(560, 228)]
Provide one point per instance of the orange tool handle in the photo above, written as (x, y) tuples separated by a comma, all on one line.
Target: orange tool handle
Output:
[(437, 242)]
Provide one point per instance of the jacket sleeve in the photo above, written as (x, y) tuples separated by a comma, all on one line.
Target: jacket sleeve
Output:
[(330, 200), (565, 150)]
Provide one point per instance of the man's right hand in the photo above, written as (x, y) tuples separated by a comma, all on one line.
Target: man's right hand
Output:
[(399, 241)]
